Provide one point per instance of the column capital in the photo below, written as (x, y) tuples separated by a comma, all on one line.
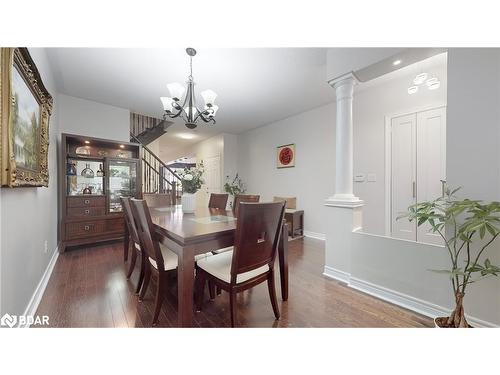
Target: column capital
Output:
[(346, 79)]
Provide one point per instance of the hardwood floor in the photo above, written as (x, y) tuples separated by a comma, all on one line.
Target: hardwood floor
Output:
[(88, 288)]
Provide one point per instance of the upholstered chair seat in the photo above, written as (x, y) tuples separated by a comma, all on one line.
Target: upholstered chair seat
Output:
[(220, 266)]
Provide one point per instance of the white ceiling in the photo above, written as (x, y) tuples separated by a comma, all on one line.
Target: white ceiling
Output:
[(254, 86)]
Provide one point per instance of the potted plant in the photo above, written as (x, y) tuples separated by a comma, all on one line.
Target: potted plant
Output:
[(234, 187), (471, 227), (191, 179)]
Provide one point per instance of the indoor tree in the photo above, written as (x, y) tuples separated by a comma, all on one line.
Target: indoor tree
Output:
[(471, 226)]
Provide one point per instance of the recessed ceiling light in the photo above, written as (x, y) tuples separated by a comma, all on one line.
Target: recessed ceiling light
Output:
[(420, 78), (431, 81), (87, 142), (434, 85), (186, 135), (412, 89), (122, 146), (396, 62)]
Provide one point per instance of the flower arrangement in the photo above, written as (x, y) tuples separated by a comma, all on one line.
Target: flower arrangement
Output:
[(235, 186), (191, 178)]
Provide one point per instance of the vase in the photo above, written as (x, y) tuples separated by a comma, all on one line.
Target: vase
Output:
[(188, 203)]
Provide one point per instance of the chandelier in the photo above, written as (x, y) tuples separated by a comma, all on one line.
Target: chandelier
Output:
[(188, 110)]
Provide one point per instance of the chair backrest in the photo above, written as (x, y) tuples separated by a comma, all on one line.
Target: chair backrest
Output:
[(243, 198), (291, 202), (218, 201), (146, 231), (258, 230), (129, 220), (157, 200)]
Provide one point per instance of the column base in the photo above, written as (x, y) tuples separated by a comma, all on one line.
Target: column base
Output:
[(344, 200)]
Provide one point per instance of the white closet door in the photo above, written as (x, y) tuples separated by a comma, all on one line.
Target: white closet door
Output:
[(403, 163), (212, 176), (431, 163)]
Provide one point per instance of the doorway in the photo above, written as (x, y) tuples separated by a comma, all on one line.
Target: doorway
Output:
[(416, 156)]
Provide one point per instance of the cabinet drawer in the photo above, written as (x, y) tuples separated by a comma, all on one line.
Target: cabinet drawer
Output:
[(115, 225), (85, 211), (86, 202), (84, 228)]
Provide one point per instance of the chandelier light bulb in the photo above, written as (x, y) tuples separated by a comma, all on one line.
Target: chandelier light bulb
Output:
[(176, 90), (420, 78), (209, 96), (212, 110), (412, 89), (167, 103)]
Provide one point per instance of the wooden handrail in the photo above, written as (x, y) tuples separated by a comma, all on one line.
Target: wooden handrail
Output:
[(154, 156), (157, 172)]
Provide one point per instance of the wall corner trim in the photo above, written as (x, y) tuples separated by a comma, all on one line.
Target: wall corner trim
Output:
[(32, 306)]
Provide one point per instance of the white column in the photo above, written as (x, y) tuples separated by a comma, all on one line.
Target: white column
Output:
[(344, 196), (344, 213)]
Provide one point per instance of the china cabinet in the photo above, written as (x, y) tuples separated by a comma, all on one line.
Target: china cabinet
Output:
[(94, 174)]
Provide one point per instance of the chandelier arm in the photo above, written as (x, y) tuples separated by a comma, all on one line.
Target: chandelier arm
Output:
[(209, 119)]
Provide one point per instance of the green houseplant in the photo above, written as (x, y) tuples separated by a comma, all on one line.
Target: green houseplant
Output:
[(472, 226), (234, 187)]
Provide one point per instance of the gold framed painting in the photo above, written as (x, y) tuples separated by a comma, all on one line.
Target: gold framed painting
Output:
[(285, 156), (25, 108)]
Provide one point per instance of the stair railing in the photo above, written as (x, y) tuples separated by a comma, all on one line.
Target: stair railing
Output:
[(153, 174)]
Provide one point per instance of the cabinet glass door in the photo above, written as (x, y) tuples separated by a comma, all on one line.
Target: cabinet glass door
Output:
[(122, 182)]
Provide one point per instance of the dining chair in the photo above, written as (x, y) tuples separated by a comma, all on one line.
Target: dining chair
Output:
[(218, 201), (160, 258), (134, 243), (237, 200), (251, 262)]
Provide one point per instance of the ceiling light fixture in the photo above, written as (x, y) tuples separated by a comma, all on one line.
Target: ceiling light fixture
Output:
[(396, 62), (420, 78), (433, 84), (188, 111), (412, 89), (186, 135)]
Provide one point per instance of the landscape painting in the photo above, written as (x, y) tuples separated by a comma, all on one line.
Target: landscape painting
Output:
[(25, 109), (25, 117)]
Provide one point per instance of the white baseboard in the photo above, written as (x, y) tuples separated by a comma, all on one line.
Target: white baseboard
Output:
[(318, 236), (336, 274), (415, 304), (40, 289)]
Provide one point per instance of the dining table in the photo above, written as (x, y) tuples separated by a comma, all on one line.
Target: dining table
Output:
[(203, 231)]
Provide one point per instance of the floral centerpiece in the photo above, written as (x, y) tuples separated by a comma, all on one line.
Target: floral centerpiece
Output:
[(191, 179), (234, 187)]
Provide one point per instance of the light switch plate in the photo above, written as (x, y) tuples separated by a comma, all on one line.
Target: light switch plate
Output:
[(360, 177), (372, 177)]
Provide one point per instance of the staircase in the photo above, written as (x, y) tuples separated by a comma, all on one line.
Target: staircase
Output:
[(157, 177)]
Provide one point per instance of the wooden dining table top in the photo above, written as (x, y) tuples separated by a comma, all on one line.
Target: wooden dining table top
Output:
[(191, 228)]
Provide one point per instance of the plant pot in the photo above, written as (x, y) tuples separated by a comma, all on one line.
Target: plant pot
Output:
[(188, 202), (440, 322)]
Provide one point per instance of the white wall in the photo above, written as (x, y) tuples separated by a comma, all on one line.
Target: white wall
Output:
[(312, 178), (28, 219), (370, 107), (473, 149), (80, 116)]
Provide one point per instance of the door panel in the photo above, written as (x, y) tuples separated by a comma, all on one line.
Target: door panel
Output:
[(212, 177), (431, 163), (403, 165)]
